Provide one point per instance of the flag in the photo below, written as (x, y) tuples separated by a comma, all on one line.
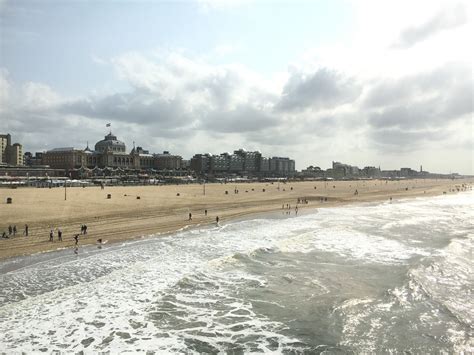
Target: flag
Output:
[(107, 125)]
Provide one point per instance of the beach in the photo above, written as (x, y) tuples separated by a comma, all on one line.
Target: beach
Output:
[(137, 211)]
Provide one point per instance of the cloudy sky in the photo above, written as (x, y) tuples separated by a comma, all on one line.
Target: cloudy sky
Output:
[(384, 83)]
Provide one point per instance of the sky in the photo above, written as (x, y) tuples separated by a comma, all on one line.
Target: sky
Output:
[(369, 83)]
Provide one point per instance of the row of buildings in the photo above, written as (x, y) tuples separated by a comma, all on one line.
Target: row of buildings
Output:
[(110, 157), (242, 162), (110, 153), (346, 171)]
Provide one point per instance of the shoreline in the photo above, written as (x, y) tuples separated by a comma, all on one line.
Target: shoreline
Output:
[(159, 211)]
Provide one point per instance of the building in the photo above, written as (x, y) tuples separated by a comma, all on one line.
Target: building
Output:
[(282, 166), (15, 154), (340, 170), (64, 158), (408, 172), (33, 160), (200, 163), (264, 167), (370, 172), (5, 141), (220, 163), (237, 163), (10, 154), (167, 161), (313, 172), (109, 152)]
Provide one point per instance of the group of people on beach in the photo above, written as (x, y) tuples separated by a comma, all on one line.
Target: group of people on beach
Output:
[(287, 208), (12, 231), (59, 234), (190, 216)]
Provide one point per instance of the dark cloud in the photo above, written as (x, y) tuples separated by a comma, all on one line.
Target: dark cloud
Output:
[(440, 81), (402, 140), (244, 118), (449, 18), (140, 107), (220, 85), (431, 99), (283, 136), (322, 89), (413, 116)]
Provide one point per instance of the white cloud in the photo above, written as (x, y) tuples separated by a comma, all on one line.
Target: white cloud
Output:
[(38, 97), (5, 88), (97, 60)]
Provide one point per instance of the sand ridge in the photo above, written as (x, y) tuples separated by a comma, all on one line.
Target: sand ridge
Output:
[(159, 209)]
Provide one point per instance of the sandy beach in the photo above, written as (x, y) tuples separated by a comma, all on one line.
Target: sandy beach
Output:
[(159, 209)]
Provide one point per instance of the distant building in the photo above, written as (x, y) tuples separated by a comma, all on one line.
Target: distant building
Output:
[(242, 162), (264, 165), (220, 163), (167, 161), (370, 172), (64, 158), (313, 172), (237, 163), (408, 172), (340, 170), (282, 166), (200, 163), (10, 154), (109, 153), (33, 160)]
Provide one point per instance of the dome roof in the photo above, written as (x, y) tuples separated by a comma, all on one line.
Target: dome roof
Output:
[(110, 143)]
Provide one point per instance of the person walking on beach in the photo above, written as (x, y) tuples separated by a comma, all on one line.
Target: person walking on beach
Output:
[(76, 238), (205, 212), (10, 230), (296, 210), (85, 228), (60, 235), (217, 220), (14, 230), (26, 230), (51, 235), (190, 216)]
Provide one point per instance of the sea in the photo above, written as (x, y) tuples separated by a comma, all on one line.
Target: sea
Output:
[(385, 277)]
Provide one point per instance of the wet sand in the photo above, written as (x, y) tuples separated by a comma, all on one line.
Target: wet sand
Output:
[(159, 208)]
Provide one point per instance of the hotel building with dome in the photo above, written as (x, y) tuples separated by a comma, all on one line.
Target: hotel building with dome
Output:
[(109, 153)]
